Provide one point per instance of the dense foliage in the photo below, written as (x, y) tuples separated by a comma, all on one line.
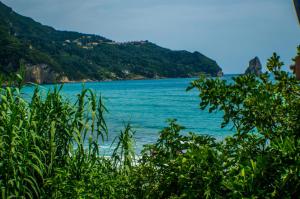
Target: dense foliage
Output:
[(50, 148), (79, 56)]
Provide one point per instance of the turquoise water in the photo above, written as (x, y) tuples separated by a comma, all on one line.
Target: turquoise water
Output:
[(147, 104)]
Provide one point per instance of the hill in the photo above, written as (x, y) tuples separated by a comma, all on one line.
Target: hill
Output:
[(51, 55)]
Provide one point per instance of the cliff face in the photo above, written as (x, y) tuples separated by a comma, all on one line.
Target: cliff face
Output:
[(254, 67), (42, 74)]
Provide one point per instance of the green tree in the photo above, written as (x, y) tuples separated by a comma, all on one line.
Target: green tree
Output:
[(263, 156)]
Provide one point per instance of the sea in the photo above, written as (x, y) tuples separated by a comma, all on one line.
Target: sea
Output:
[(147, 105)]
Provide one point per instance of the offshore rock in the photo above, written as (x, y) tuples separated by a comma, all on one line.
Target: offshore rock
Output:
[(254, 67)]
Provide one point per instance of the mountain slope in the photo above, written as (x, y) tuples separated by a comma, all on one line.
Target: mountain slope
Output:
[(77, 56)]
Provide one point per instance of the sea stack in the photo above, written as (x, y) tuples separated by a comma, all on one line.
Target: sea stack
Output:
[(254, 67)]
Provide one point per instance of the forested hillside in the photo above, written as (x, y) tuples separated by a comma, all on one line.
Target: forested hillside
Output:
[(78, 56)]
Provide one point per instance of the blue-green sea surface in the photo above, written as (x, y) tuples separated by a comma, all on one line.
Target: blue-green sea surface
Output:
[(146, 105)]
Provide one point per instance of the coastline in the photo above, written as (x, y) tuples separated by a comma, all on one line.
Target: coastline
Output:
[(137, 78)]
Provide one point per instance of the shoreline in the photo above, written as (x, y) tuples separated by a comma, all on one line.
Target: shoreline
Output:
[(109, 80), (116, 80)]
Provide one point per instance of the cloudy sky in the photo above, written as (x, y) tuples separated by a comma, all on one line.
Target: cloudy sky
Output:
[(229, 31)]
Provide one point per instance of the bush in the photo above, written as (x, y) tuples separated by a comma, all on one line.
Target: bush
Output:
[(261, 160)]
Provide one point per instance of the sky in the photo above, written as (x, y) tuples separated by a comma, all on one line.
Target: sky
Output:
[(229, 31)]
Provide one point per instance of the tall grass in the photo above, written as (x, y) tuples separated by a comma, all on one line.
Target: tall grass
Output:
[(49, 147)]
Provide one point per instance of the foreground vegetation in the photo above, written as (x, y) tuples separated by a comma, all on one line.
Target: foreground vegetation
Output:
[(50, 148)]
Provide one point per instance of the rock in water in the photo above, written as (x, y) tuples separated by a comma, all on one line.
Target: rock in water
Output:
[(254, 67)]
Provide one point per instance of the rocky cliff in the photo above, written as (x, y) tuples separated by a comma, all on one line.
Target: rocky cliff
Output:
[(42, 74), (254, 67)]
